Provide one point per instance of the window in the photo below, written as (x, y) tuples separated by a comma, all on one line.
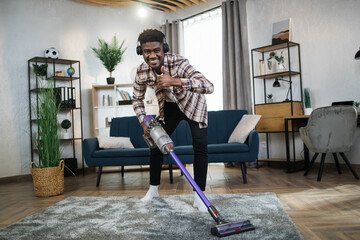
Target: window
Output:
[(203, 48)]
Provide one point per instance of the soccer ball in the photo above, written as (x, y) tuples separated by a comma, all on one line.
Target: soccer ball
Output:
[(52, 53)]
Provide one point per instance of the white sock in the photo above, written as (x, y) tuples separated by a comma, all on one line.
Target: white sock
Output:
[(151, 193), (199, 204)]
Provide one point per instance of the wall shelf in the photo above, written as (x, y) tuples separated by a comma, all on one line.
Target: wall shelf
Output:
[(103, 112), (278, 74)]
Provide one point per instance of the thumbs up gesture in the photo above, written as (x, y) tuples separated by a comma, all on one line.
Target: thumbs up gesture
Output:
[(165, 80)]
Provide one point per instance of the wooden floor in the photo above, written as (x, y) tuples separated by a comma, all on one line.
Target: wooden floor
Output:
[(329, 209)]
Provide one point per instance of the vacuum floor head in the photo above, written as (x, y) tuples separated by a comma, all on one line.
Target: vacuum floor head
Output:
[(229, 228)]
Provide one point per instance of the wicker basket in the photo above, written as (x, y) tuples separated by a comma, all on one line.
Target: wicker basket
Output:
[(48, 181)]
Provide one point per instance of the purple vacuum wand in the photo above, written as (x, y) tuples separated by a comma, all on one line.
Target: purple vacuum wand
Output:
[(162, 140)]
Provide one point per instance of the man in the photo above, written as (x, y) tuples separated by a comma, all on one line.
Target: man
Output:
[(180, 90)]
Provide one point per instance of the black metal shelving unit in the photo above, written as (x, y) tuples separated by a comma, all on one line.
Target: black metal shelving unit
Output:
[(292, 75), (75, 111)]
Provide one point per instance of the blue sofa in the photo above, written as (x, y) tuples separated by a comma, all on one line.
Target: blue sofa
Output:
[(220, 126)]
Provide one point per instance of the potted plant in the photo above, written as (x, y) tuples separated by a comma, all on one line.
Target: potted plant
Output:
[(307, 99), (48, 174), (110, 54), (280, 60), (270, 98), (40, 71)]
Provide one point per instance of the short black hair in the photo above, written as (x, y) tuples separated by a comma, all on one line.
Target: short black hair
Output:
[(151, 35)]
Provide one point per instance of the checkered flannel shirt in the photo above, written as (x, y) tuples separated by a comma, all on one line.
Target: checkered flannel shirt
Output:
[(189, 97)]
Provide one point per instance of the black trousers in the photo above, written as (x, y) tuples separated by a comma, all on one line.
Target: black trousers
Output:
[(173, 116)]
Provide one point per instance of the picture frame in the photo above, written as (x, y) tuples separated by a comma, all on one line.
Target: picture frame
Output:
[(281, 32)]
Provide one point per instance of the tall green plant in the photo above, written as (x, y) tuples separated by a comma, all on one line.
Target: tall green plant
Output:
[(48, 138), (110, 54), (307, 98)]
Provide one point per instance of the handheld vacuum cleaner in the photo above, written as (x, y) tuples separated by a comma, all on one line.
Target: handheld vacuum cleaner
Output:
[(162, 140)]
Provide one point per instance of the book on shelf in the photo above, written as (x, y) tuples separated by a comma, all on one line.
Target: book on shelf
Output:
[(128, 95), (124, 94), (65, 97)]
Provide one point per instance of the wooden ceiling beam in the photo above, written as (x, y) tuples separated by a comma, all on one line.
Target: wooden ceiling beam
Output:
[(181, 5), (118, 3), (159, 4), (197, 2), (186, 2), (162, 5), (159, 8)]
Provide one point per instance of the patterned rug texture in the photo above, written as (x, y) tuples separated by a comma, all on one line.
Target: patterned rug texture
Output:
[(167, 217)]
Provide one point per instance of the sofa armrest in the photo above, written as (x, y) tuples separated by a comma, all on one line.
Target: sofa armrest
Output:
[(89, 146), (253, 142)]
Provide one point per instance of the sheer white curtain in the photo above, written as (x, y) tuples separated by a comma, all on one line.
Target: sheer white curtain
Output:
[(203, 48)]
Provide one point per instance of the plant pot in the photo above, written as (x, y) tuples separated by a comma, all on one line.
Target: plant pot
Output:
[(66, 134), (281, 67), (307, 111), (110, 80), (48, 181)]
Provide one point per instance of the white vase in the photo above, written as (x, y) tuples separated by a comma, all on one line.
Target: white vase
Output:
[(65, 134), (281, 67), (307, 111)]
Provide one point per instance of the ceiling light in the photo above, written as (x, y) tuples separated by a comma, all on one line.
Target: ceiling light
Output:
[(142, 12)]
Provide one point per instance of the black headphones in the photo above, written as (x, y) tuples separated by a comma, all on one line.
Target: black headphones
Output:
[(166, 47)]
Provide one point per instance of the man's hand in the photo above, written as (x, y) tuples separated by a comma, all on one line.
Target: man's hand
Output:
[(146, 132), (166, 80)]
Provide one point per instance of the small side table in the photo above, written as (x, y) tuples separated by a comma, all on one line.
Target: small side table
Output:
[(296, 122)]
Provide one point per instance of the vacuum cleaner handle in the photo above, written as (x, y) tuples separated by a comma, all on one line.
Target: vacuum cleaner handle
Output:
[(149, 142)]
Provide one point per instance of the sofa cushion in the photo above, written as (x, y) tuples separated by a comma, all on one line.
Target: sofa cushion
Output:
[(128, 127), (220, 126), (222, 123), (214, 148), (120, 152), (114, 142), (184, 150), (182, 134), (243, 128), (227, 148)]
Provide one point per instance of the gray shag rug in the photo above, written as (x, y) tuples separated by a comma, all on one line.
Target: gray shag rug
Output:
[(167, 217)]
